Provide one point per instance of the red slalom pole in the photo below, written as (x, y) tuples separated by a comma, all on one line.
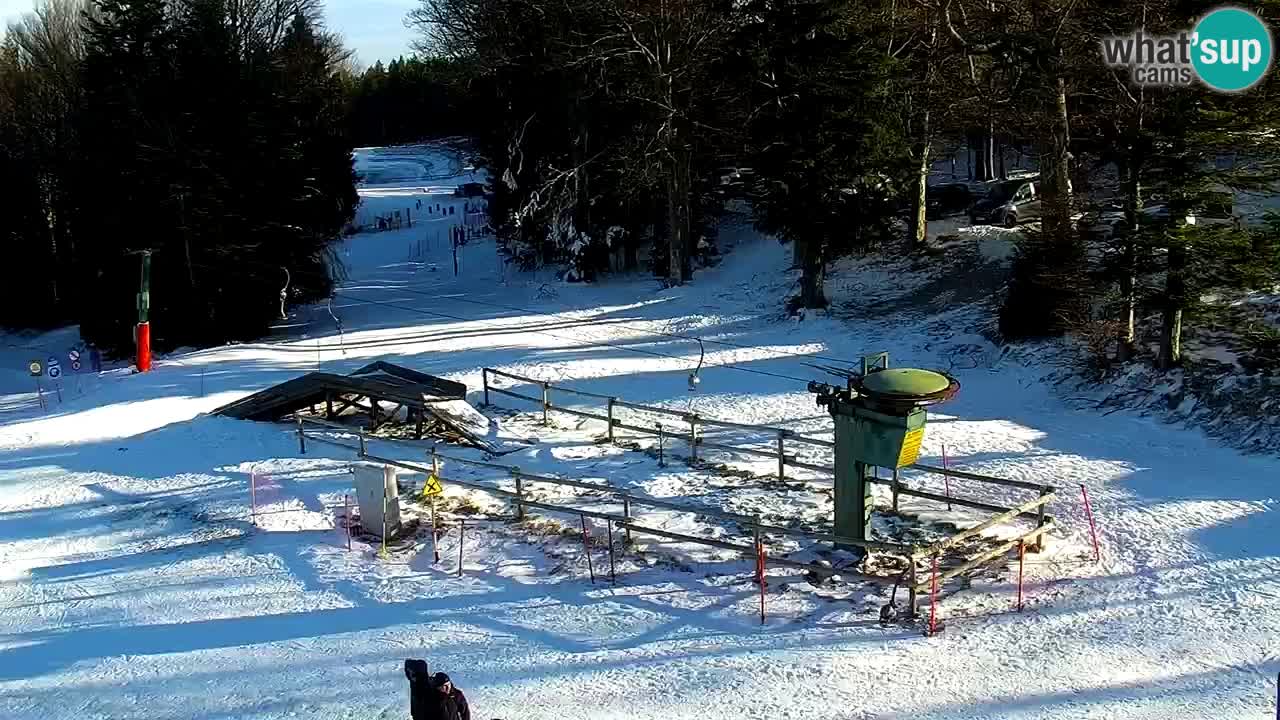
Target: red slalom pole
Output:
[(946, 476), (1022, 553), (1093, 527)]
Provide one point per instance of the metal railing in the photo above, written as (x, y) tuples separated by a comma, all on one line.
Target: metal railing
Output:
[(627, 499), (1035, 510)]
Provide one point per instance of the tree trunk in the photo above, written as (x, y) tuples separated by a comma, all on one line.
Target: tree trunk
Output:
[(1129, 272), (678, 217), (1055, 173), (990, 148), (920, 201), (813, 273), (1175, 300)]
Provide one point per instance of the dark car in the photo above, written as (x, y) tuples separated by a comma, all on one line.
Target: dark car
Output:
[(470, 190), (1007, 203), (947, 199)]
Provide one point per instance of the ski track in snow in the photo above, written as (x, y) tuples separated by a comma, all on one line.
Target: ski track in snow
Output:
[(133, 584)]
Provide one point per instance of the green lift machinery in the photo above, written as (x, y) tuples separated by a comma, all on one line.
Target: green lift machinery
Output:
[(879, 423)]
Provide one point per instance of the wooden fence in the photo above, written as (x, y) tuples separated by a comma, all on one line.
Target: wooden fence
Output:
[(1035, 510)]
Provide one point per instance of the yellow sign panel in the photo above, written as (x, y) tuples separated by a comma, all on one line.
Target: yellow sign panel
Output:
[(911, 447), (433, 486)]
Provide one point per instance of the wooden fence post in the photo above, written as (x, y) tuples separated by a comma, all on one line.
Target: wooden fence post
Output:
[(383, 551), (911, 588), (933, 599), (611, 401), (760, 567), (462, 534), (662, 440), (782, 455), (613, 578), (515, 473), (484, 379), (1022, 553), (586, 547), (1038, 545)]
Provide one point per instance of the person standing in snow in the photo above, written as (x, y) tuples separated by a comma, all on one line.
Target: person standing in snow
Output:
[(453, 704)]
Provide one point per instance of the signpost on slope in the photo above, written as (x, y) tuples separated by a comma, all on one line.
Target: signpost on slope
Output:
[(36, 371), (55, 372)]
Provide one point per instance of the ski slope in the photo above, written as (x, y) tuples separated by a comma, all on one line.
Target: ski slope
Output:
[(133, 583)]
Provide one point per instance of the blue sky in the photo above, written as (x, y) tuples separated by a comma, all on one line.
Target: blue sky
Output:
[(374, 28)]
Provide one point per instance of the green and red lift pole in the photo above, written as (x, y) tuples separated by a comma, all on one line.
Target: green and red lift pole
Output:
[(142, 334)]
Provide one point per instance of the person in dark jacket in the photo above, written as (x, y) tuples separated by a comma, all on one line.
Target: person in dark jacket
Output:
[(423, 704), (452, 703)]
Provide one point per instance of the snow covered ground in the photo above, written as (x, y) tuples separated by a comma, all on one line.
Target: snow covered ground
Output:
[(133, 583)]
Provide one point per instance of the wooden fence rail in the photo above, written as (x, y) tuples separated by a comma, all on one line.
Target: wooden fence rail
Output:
[(782, 436)]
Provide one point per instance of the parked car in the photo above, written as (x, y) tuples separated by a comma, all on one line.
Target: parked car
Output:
[(469, 190), (947, 199), (1008, 203)]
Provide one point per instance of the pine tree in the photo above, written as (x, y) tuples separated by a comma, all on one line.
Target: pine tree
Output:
[(825, 143)]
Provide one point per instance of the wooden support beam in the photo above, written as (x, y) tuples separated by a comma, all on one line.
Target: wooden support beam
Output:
[(987, 556), (989, 523)]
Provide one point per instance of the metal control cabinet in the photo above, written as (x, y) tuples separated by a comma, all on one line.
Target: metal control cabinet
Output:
[(879, 422)]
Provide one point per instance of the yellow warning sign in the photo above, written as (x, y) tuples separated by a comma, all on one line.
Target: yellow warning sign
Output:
[(911, 447), (433, 486)]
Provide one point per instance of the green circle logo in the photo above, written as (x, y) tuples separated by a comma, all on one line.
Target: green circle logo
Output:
[(1232, 49)]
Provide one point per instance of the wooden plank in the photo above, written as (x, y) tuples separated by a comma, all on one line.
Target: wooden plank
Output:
[(744, 549), (989, 523), (809, 466), (508, 393), (985, 557), (739, 449), (811, 441), (838, 539), (733, 517), (981, 478), (645, 408), (518, 378), (640, 429), (742, 426), (963, 502), (567, 482), (581, 413)]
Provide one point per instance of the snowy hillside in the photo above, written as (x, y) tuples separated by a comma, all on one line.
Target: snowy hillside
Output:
[(135, 584)]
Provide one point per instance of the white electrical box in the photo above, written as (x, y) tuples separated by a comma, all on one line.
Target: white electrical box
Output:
[(378, 498)]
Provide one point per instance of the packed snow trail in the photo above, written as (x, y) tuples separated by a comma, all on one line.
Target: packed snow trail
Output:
[(133, 585)]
